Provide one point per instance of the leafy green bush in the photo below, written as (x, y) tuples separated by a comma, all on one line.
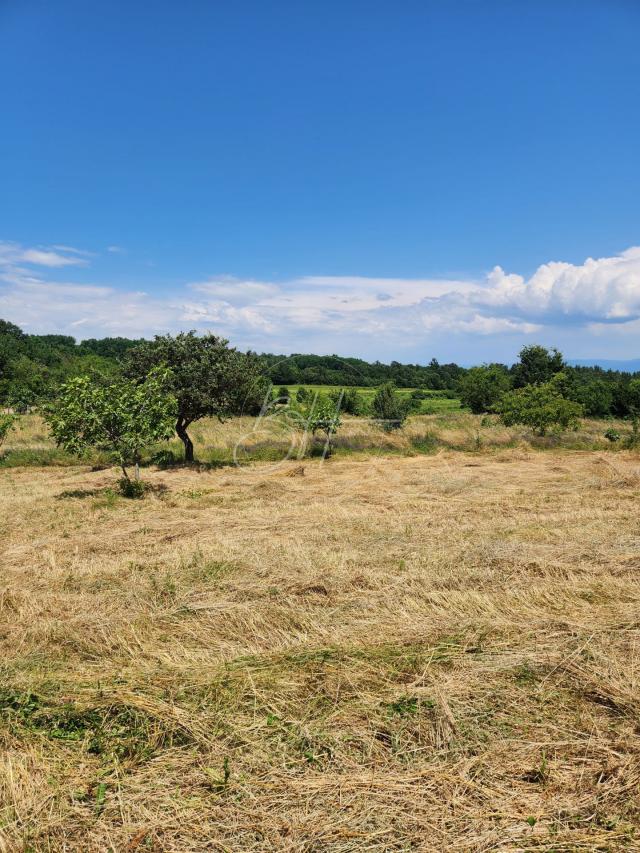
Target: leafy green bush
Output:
[(348, 401), (612, 435), (324, 417), (482, 387), (540, 407), (389, 407), (118, 416), (131, 488), (164, 458), (7, 422)]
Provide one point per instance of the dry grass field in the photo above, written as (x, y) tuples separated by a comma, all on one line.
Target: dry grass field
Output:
[(374, 653)]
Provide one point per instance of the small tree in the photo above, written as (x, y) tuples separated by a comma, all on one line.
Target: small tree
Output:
[(540, 407), (389, 408), (325, 418), (7, 422), (208, 378), (121, 417), (482, 387)]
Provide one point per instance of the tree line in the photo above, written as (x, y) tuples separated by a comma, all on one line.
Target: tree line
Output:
[(33, 367), (145, 392), (594, 392)]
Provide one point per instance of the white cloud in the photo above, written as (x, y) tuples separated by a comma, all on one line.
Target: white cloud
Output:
[(11, 254), (597, 301)]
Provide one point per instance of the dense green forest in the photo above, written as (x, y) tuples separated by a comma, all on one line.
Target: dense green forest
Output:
[(32, 367)]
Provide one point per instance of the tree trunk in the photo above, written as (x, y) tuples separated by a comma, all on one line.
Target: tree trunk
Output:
[(183, 435)]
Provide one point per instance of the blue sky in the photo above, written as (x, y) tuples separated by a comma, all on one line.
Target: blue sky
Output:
[(331, 177)]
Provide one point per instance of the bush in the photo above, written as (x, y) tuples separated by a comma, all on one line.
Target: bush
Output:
[(324, 417), (540, 407), (482, 388), (7, 422), (389, 408), (348, 401), (164, 458), (131, 488), (612, 435)]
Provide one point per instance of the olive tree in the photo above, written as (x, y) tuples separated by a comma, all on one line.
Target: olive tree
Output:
[(121, 417), (208, 378)]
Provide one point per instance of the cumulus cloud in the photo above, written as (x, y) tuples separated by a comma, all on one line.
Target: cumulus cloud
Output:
[(602, 290), (348, 314)]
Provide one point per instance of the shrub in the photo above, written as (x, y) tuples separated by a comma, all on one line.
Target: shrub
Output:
[(389, 408), (348, 401), (131, 488), (164, 458), (325, 417), (7, 422), (612, 435), (482, 387), (540, 407)]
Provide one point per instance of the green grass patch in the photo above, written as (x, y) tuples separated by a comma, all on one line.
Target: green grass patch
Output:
[(109, 730)]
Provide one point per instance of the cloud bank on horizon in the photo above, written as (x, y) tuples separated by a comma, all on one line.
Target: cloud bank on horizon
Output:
[(588, 309)]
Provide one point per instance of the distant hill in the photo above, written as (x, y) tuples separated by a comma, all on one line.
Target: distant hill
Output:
[(627, 366)]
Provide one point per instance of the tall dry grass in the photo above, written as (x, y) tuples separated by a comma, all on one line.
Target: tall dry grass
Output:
[(245, 440)]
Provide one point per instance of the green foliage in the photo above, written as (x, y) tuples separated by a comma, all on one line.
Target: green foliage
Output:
[(595, 397), (131, 488), (121, 416), (302, 394), (164, 458), (540, 407), (7, 422), (537, 365), (389, 407), (33, 367), (348, 401), (633, 396), (612, 435), (482, 387), (323, 417), (283, 395), (208, 377), (633, 440), (300, 369)]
